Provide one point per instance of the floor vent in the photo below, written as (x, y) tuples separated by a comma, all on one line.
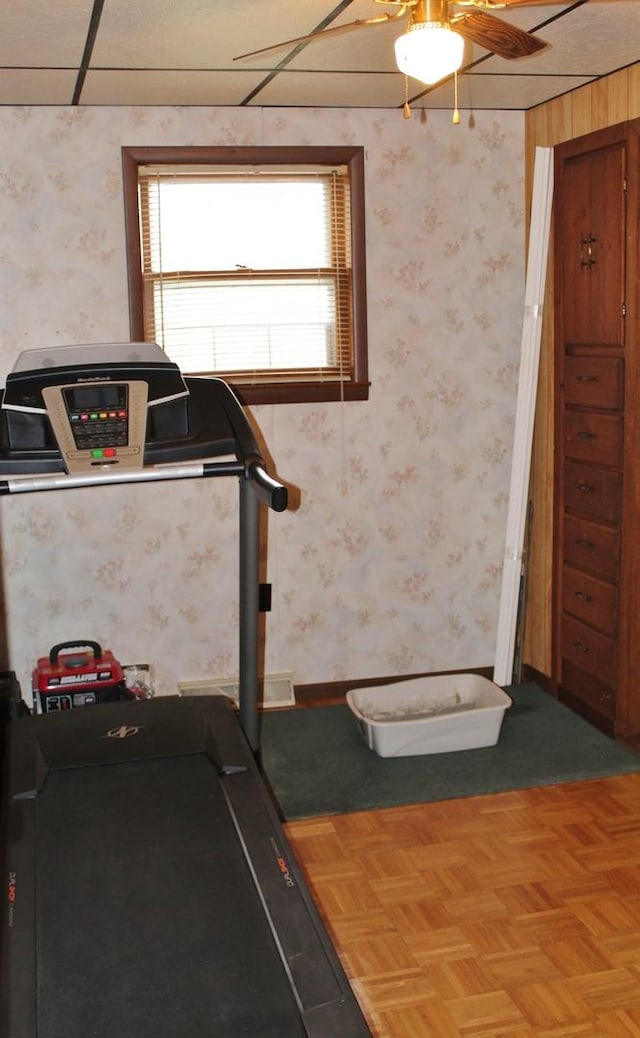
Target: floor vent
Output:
[(277, 690)]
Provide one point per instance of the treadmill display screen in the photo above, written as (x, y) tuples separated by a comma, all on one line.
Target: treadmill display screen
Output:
[(100, 395), (98, 415)]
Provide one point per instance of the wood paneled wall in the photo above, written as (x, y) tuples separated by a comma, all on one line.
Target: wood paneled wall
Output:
[(611, 100)]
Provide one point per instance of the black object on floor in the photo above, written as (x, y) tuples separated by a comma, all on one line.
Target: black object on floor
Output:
[(541, 742), (152, 890)]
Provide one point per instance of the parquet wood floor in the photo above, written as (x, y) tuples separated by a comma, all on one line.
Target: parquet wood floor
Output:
[(502, 916)]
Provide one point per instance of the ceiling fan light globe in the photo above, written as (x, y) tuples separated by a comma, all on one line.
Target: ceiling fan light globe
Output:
[(429, 51)]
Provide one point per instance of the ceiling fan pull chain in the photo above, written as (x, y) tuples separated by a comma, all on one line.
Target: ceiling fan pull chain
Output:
[(456, 113), (406, 111)]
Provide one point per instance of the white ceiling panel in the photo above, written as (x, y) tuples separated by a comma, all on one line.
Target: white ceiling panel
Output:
[(167, 87), (45, 33), (196, 33), (36, 86), (365, 90), (488, 92), (364, 50)]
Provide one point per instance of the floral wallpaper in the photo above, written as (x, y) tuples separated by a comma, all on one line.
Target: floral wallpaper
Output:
[(391, 561)]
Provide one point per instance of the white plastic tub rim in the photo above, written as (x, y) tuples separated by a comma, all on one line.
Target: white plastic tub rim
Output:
[(438, 714)]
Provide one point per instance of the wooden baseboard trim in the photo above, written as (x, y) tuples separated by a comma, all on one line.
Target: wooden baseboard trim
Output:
[(531, 674)]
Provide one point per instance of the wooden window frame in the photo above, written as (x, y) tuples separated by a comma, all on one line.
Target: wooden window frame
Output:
[(291, 391)]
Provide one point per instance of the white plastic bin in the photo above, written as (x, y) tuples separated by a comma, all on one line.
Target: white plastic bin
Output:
[(438, 714)]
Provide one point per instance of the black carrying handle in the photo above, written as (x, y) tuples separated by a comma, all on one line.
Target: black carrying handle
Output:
[(53, 654)]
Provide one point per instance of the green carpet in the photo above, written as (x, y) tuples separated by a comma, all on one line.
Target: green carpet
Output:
[(318, 763)]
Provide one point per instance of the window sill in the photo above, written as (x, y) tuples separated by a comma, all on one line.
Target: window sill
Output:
[(300, 392)]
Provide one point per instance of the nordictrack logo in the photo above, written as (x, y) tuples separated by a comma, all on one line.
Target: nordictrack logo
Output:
[(281, 862)]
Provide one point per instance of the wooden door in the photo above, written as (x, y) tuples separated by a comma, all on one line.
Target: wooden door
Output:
[(593, 246), (596, 377)]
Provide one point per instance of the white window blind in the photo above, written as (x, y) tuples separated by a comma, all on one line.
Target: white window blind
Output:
[(248, 275)]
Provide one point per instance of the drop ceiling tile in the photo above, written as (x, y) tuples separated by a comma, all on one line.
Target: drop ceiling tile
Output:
[(368, 49), (33, 86), (488, 92), (333, 90), (166, 87), (42, 33), (197, 33)]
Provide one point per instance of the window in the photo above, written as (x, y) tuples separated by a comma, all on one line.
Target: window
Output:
[(249, 264)]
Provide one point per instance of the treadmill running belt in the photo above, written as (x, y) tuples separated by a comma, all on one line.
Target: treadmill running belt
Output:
[(143, 892)]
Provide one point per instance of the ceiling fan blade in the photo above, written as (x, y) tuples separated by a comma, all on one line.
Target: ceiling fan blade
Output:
[(336, 30), (505, 40)]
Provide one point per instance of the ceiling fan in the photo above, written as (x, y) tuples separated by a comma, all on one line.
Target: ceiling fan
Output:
[(432, 44)]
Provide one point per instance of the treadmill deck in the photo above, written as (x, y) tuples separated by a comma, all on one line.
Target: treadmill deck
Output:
[(156, 894)]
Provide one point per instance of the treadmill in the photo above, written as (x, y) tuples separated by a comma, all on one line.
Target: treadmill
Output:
[(151, 890)]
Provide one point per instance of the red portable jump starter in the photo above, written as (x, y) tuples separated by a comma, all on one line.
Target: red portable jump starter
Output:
[(81, 677)]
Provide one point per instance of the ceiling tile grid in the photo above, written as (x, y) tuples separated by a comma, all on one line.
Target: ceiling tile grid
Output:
[(161, 52)]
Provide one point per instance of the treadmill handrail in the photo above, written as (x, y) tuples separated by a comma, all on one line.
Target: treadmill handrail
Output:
[(65, 481), (268, 490)]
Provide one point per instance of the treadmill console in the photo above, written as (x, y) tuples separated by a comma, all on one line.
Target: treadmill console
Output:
[(98, 423), (97, 406)]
